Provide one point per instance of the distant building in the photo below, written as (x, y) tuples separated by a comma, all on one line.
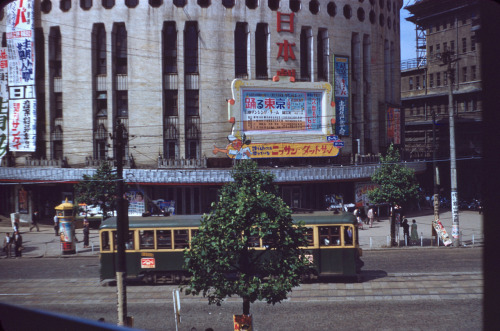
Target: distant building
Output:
[(170, 71), (444, 25)]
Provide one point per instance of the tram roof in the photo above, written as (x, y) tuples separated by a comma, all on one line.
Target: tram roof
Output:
[(321, 217)]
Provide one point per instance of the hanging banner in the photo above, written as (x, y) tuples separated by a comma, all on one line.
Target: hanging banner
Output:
[(22, 125), (4, 102), (441, 231), (20, 43), (394, 126), (341, 87)]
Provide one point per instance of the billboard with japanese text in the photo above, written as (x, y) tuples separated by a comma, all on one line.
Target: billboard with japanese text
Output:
[(4, 102), (394, 126), (341, 87), (22, 124)]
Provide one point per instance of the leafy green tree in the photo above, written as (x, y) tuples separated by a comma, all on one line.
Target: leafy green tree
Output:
[(223, 261), (397, 184), (99, 189)]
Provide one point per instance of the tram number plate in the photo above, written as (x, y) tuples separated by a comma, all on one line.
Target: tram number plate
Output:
[(148, 262)]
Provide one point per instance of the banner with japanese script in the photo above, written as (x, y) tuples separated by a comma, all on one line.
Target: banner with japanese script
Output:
[(267, 111), (22, 125), (341, 94), (4, 102), (20, 43), (394, 126), (292, 150)]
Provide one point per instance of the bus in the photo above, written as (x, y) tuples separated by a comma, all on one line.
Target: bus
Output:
[(155, 246)]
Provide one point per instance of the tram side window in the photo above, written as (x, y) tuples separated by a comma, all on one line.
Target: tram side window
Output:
[(105, 241), (164, 238), (329, 235), (348, 234), (181, 239), (310, 236), (146, 239), (129, 243)]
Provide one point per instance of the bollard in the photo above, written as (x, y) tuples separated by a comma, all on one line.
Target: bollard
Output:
[(371, 243), (473, 239), (92, 244), (406, 240), (388, 241), (421, 239)]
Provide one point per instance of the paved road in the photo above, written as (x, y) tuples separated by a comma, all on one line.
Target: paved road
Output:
[(413, 289)]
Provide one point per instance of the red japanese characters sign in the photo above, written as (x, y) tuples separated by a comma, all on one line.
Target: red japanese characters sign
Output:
[(148, 263)]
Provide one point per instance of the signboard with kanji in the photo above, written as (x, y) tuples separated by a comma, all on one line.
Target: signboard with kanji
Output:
[(4, 102), (341, 79)]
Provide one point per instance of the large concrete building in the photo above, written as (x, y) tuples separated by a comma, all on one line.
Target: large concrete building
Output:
[(170, 71), (445, 26)]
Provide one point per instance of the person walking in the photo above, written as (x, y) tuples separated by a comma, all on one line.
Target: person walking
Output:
[(18, 244), (406, 231), (7, 245), (86, 232), (371, 216), (56, 225), (357, 213), (34, 221), (414, 232)]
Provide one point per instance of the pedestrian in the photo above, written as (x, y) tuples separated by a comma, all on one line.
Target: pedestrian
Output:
[(35, 218), (56, 225), (414, 232), (86, 232), (7, 245), (406, 231), (357, 213), (371, 216), (18, 244)]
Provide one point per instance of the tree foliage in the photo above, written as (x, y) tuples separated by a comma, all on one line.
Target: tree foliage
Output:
[(99, 189), (222, 260), (397, 183)]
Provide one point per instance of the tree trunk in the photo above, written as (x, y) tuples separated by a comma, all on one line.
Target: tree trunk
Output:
[(246, 306)]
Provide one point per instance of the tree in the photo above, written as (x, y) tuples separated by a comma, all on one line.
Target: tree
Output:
[(397, 184), (223, 261), (99, 189)]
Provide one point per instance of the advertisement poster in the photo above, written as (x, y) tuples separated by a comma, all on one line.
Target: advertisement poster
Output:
[(22, 125), (20, 43), (441, 232), (23, 201), (341, 90), (265, 111), (137, 205), (361, 193), (166, 205), (4, 102), (394, 126)]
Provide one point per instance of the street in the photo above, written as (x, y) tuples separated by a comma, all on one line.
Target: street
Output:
[(413, 289)]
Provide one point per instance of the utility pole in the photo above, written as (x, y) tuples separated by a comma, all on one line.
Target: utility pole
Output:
[(121, 229), (436, 175), (446, 57)]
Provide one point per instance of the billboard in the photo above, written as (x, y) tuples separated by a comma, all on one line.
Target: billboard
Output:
[(282, 118), (4, 102), (394, 126), (341, 81)]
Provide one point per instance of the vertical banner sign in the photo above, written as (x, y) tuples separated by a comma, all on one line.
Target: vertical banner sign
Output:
[(394, 126), (341, 81), (21, 76), (4, 102)]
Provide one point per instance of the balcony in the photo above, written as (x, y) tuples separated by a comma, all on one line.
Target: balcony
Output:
[(31, 162), (91, 162), (181, 163)]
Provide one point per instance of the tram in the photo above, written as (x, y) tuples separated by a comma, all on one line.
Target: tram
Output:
[(155, 246)]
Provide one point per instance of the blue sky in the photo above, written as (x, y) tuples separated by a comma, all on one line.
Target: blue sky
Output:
[(407, 34)]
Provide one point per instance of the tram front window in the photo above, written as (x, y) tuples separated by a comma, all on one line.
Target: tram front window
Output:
[(329, 235)]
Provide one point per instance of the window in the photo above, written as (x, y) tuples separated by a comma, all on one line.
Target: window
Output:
[(323, 55), (431, 51), (55, 54), (120, 36), (122, 103), (192, 148), (155, 3), (65, 5), (473, 72), (108, 4), (438, 79), (474, 104), (445, 78), (438, 48), (305, 57), (105, 241), (58, 101), (329, 235), (347, 11), (101, 104), (430, 28), (431, 80), (465, 105), (261, 40), (58, 149), (131, 3), (204, 3), (85, 4), (240, 50), (100, 149), (171, 149), (46, 6), (373, 17), (445, 46), (310, 236), (410, 83), (331, 9), (146, 239), (295, 5), (129, 240), (452, 46), (228, 3), (192, 103), (464, 74), (164, 239), (464, 45), (170, 102), (100, 49), (191, 48), (169, 48), (417, 82), (361, 14), (180, 3), (252, 4), (273, 4), (181, 239), (472, 43), (424, 83), (314, 7)]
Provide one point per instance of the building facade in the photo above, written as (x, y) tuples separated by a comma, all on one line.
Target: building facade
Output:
[(441, 27), (164, 69)]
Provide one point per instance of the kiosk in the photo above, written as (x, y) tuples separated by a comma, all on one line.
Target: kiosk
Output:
[(66, 227)]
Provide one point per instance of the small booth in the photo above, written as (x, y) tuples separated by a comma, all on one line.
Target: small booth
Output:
[(66, 227)]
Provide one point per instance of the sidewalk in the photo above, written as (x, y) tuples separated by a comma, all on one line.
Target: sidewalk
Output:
[(46, 244)]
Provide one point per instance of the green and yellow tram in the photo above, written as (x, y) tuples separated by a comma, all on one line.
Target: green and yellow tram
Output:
[(155, 246)]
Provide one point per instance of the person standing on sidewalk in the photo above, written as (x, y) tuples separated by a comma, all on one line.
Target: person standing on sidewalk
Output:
[(371, 216), (406, 231), (7, 245), (34, 221), (56, 225), (18, 244), (414, 231), (86, 232)]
